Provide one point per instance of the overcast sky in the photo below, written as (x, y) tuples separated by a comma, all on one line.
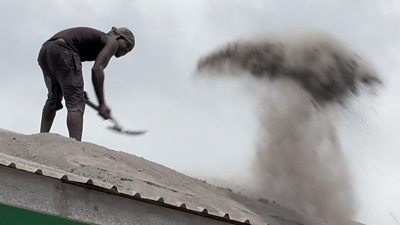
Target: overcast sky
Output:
[(201, 127)]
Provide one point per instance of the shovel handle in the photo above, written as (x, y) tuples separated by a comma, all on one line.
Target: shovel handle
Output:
[(92, 105), (96, 107)]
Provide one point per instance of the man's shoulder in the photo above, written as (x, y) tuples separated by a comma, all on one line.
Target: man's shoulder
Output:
[(85, 29)]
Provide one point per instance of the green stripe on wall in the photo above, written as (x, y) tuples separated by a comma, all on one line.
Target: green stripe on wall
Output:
[(16, 216)]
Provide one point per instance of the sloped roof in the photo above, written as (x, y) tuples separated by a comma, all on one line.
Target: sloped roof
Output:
[(121, 173)]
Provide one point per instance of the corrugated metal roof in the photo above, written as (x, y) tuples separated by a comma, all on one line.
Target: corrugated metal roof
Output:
[(43, 170), (127, 175)]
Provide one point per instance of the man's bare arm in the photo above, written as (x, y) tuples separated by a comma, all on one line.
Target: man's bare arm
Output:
[(100, 64)]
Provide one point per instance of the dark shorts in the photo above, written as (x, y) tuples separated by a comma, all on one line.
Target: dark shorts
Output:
[(62, 71)]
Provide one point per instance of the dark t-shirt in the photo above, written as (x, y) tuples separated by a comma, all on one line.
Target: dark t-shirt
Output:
[(85, 41)]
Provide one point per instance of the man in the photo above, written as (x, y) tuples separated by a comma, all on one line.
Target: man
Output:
[(60, 60)]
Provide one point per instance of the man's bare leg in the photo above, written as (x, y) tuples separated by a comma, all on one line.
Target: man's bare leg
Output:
[(48, 115), (75, 124)]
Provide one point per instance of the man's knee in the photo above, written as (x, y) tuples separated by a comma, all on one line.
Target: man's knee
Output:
[(53, 105), (76, 107)]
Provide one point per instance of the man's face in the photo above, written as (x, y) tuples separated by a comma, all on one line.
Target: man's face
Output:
[(124, 47)]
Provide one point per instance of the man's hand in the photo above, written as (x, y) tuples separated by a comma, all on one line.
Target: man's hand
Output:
[(104, 112)]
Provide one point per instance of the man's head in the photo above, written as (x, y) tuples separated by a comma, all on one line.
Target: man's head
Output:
[(125, 38)]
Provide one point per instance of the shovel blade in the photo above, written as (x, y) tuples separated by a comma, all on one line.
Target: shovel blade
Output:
[(129, 132)]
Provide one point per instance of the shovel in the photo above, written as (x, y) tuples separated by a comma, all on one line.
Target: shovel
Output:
[(116, 126)]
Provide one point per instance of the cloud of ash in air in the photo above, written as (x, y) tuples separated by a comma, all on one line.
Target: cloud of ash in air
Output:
[(299, 160)]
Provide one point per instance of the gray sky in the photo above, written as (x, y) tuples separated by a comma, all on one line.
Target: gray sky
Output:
[(200, 127)]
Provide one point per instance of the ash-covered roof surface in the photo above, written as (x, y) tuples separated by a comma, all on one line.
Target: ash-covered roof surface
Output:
[(132, 174)]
